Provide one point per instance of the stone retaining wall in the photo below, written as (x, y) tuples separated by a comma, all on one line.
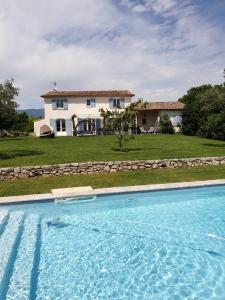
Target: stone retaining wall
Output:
[(105, 167)]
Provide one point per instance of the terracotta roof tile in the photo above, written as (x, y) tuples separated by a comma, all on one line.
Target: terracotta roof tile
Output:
[(113, 93), (163, 106)]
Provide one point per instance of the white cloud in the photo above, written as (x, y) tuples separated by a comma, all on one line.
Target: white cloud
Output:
[(158, 6), (156, 48)]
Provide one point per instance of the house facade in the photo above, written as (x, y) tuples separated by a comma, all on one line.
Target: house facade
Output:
[(60, 106)]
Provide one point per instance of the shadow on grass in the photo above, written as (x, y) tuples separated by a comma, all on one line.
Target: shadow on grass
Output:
[(19, 153), (10, 139), (214, 145), (128, 149)]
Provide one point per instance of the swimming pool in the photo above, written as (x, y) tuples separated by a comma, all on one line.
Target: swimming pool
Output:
[(146, 245)]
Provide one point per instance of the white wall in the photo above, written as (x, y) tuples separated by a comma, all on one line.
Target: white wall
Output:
[(78, 106), (172, 114)]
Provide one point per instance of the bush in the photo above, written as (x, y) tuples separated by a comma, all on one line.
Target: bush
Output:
[(22, 123), (204, 112), (191, 115), (166, 125), (190, 119), (214, 127)]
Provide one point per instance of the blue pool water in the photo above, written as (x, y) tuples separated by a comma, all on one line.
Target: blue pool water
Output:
[(147, 245)]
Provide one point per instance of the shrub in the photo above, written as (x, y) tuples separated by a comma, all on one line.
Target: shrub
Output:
[(22, 123), (214, 127), (191, 116), (204, 111), (166, 125)]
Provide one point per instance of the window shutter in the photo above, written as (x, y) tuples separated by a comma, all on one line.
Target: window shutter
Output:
[(69, 127), (122, 102), (54, 104), (93, 102), (53, 124), (65, 103), (110, 102), (98, 125)]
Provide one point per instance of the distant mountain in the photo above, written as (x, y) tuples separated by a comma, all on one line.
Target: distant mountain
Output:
[(37, 113)]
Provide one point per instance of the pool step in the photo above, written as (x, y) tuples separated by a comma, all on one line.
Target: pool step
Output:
[(4, 214), (20, 281), (9, 241)]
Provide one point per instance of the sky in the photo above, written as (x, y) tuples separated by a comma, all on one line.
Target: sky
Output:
[(157, 49)]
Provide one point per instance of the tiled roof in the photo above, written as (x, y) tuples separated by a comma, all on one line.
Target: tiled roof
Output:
[(113, 93), (163, 106)]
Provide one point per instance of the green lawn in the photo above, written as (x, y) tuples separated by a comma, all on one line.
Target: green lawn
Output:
[(26, 151), (44, 185)]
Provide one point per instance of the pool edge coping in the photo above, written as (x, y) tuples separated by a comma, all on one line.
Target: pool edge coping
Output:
[(82, 191)]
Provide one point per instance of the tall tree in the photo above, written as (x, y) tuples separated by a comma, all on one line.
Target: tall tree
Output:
[(212, 124), (7, 104), (204, 111), (191, 116)]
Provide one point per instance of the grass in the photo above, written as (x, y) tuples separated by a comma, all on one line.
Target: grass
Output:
[(24, 151), (44, 185)]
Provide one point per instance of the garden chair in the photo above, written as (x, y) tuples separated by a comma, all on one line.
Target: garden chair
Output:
[(143, 130)]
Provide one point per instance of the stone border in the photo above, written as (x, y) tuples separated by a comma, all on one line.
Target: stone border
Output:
[(86, 191), (105, 167)]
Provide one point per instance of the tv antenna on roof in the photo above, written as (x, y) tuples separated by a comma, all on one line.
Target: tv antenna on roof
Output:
[(54, 85)]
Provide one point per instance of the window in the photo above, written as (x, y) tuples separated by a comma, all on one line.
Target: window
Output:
[(91, 102), (144, 122), (60, 125), (59, 104), (89, 125), (116, 102)]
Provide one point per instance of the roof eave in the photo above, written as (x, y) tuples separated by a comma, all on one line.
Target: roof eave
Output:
[(51, 96)]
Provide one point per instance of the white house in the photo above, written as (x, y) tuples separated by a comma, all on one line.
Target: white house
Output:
[(60, 106)]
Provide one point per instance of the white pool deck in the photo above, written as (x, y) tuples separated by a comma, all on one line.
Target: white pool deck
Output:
[(88, 191)]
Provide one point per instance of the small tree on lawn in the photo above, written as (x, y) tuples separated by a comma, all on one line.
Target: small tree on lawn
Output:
[(122, 121)]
